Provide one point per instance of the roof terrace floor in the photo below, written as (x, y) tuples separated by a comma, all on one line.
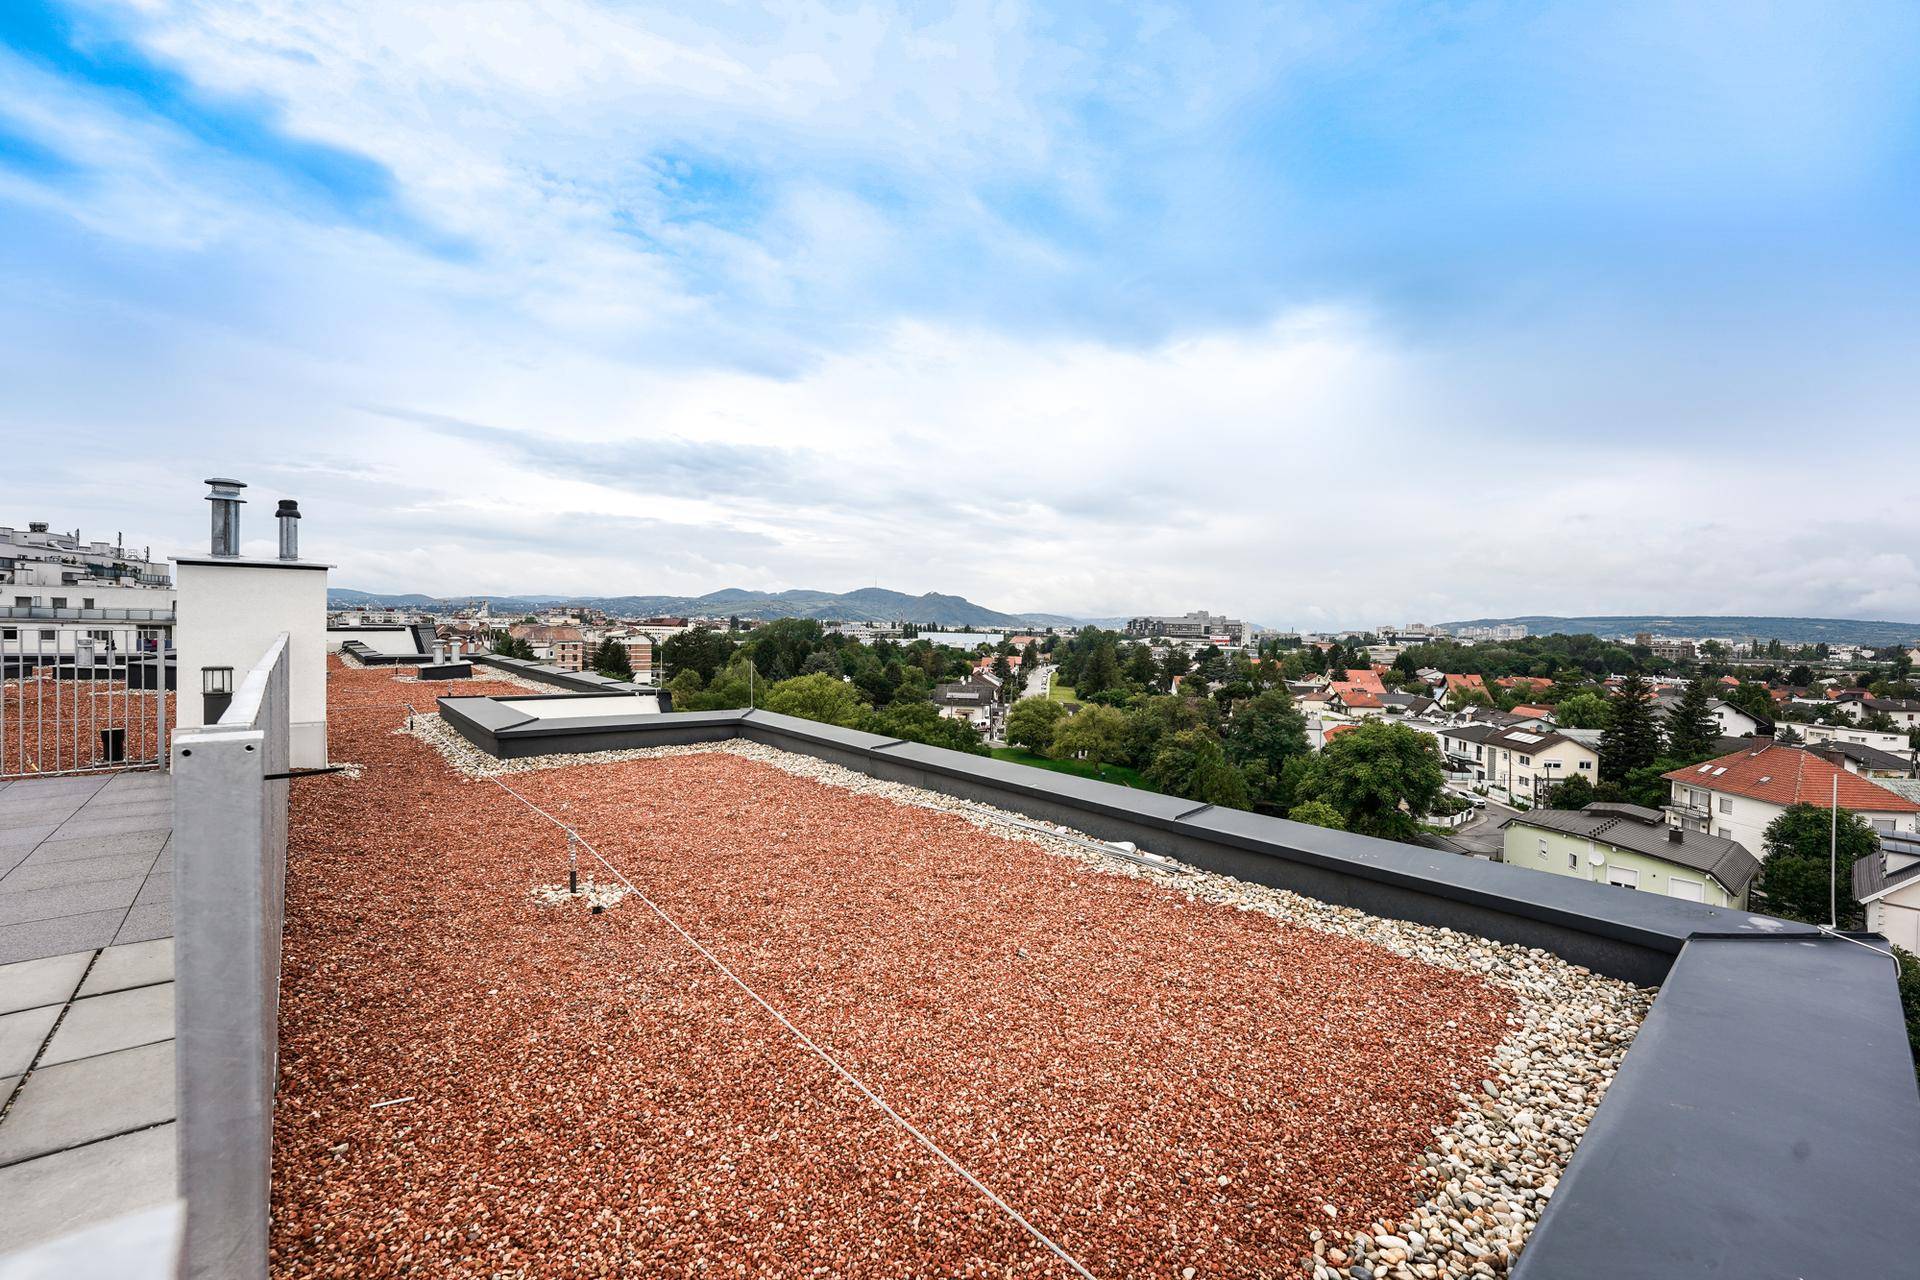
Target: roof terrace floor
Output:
[(1162, 1074)]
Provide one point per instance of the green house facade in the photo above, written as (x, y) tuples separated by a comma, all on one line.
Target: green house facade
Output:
[(1633, 848)]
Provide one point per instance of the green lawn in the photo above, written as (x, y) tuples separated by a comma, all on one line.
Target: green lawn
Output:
[(1100, 772), (1058, 692)]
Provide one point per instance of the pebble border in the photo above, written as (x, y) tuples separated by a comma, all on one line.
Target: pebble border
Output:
[(1485, 1178)]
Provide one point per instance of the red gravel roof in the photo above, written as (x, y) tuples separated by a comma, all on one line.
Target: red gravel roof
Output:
[(1787, 775), (1156, 1082)]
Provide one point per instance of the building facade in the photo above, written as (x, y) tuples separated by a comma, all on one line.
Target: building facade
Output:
[(1199, 627), (1634, 848), (60, 595), (1737, 796)]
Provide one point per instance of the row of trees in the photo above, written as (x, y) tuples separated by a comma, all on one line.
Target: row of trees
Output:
[(1378, 779)]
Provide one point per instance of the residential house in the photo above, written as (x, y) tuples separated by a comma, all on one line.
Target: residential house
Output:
[(1869, 762), (560, 646), (1464, 683), (974, 701), (1534, 711), (1736, 796), (1527, 684), (1876, 738), (1528, 762), (1735, 723), (1635, 848), (1887, 884)]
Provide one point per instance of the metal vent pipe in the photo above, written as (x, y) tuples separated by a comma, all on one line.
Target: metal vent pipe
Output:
[(226, 502), (289, 518)]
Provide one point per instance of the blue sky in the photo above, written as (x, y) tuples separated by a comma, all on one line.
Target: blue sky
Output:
[(1322, 315)]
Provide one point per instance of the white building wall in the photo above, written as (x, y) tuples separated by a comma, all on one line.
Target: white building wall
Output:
[(229, 611)]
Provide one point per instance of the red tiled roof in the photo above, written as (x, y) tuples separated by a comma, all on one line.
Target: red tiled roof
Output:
[(1465, 682), (1532, 709), (1531, 682), (1787, 775), (1730, 682), (1357, 697), (1338, 728), (1365, 678)]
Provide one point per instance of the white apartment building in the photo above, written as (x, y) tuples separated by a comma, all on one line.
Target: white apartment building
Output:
[(1738, 795), (60, 595), (1893, 742), (1525, 763)]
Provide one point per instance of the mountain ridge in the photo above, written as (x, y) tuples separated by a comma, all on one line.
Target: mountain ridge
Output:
[(861, 605), (1787, 630)]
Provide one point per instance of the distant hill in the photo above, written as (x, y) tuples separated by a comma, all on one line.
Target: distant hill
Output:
[(1726, 627), (866, 604)]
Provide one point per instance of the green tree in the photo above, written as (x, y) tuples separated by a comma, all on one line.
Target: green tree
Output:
[(822, 663), (509, 646), (1584, 710), (1141, 668), (779, 649), (1093, 733), (1632, 738), (700, 649), (1380, 777), (1691, 725), (1318, 813), (1031, 723), (1100, 672), (922, 722), (610, 660), (1195, 765), (1575, 793), (1266, 731), (1795, 880), (816, 697)]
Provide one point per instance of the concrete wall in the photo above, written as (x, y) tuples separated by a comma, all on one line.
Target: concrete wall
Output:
[(229, 879), (230, 611)]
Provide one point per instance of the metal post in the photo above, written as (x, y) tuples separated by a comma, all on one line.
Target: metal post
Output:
[(1833, 858)]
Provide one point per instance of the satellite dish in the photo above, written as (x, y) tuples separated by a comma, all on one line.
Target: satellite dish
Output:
[(1597, 858)]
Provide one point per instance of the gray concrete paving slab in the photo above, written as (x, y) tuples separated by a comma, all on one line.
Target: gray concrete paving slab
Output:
[(146, 923), (68, 1190), (111, 1022), (68, 899), (14, 835), (82, 827), (61, 848), (22, 1034), (75, 1102), (30, 984), (49, 875), (59, 936), (138, 964)]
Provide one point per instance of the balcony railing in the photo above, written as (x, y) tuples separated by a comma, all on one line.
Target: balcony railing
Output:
[(45, 612)]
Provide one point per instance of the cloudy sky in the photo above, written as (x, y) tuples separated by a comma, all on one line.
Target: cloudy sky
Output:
[(1317, 314)]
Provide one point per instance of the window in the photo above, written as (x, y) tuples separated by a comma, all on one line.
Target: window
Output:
[(1625, 877), (9, 633), (59, 602), (1883, 826), (1725, 833), (1689, 890), (1526, 759), (1543, 846), (86, 602), (46, 634), (1586, 764), (1573, 859), (23, 602), (1726, 804)]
